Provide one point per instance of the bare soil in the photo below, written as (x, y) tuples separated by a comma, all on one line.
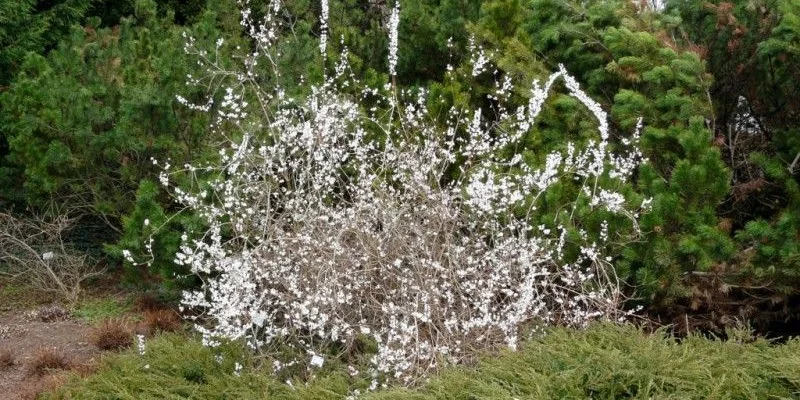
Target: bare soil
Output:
[(24, 337)]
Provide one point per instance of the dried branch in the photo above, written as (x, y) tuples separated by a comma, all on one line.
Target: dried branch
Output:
[(33, 250)]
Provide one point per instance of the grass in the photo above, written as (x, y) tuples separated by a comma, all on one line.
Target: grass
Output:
[(603, 362), (95, 310), (9, 289), (15, 295)]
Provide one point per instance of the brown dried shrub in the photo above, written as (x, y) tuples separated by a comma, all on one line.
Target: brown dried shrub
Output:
[(148, 302), (33, 388), (154, 321), (85, 369), (34, 249), (6, 359), (112, 334), (47, 360)]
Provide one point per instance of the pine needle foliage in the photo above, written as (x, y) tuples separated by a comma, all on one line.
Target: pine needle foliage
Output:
[(604, 362), (628, 62)]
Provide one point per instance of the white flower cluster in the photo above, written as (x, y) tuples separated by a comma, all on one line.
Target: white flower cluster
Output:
[(342, 224), (394, 27), (478, 58), (140, 344), (323, 21)]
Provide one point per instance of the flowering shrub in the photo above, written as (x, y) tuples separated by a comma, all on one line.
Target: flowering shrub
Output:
[(339, 217)]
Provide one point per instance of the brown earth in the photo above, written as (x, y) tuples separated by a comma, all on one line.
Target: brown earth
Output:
[(25, 337)]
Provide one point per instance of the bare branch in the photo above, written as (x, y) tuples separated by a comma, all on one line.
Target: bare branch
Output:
[(33, 250)]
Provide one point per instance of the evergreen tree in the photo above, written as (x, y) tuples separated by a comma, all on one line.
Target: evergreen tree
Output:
[(752, 50), (624, 57), (83, 121)]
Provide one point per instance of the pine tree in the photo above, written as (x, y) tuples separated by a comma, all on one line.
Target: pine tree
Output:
[(626, 59), (83, 121), (751, 48)]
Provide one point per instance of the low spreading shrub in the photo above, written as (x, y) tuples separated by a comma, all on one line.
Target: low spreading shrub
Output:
[(604, 361)]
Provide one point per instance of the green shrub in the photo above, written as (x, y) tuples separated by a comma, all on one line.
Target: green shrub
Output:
[(176, 367), (149, 224), (621, 362), (604, 362), (751, 48)]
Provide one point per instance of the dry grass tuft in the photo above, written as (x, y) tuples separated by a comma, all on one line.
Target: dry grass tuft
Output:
[(32, 389), (7, 359), (113, 334), (47, 360), (85, 369), (149, 302), (154, 321)]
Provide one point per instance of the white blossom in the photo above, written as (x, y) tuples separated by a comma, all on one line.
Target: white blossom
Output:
[(323, 39), (317, 233), (140, 344), (394, 26)]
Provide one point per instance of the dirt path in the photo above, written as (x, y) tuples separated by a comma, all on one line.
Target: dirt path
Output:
[(24, 336)]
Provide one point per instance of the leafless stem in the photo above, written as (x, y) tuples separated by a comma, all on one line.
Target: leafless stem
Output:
[(794, 163), (33, 249)]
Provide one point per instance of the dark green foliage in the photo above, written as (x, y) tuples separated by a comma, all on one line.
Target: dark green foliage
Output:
[(111, 12), (773, 252), (360, 27), (149, 225), (34, 26), (624, 60), (84, 121), (751, 48), (425, 28), (28, 26)]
